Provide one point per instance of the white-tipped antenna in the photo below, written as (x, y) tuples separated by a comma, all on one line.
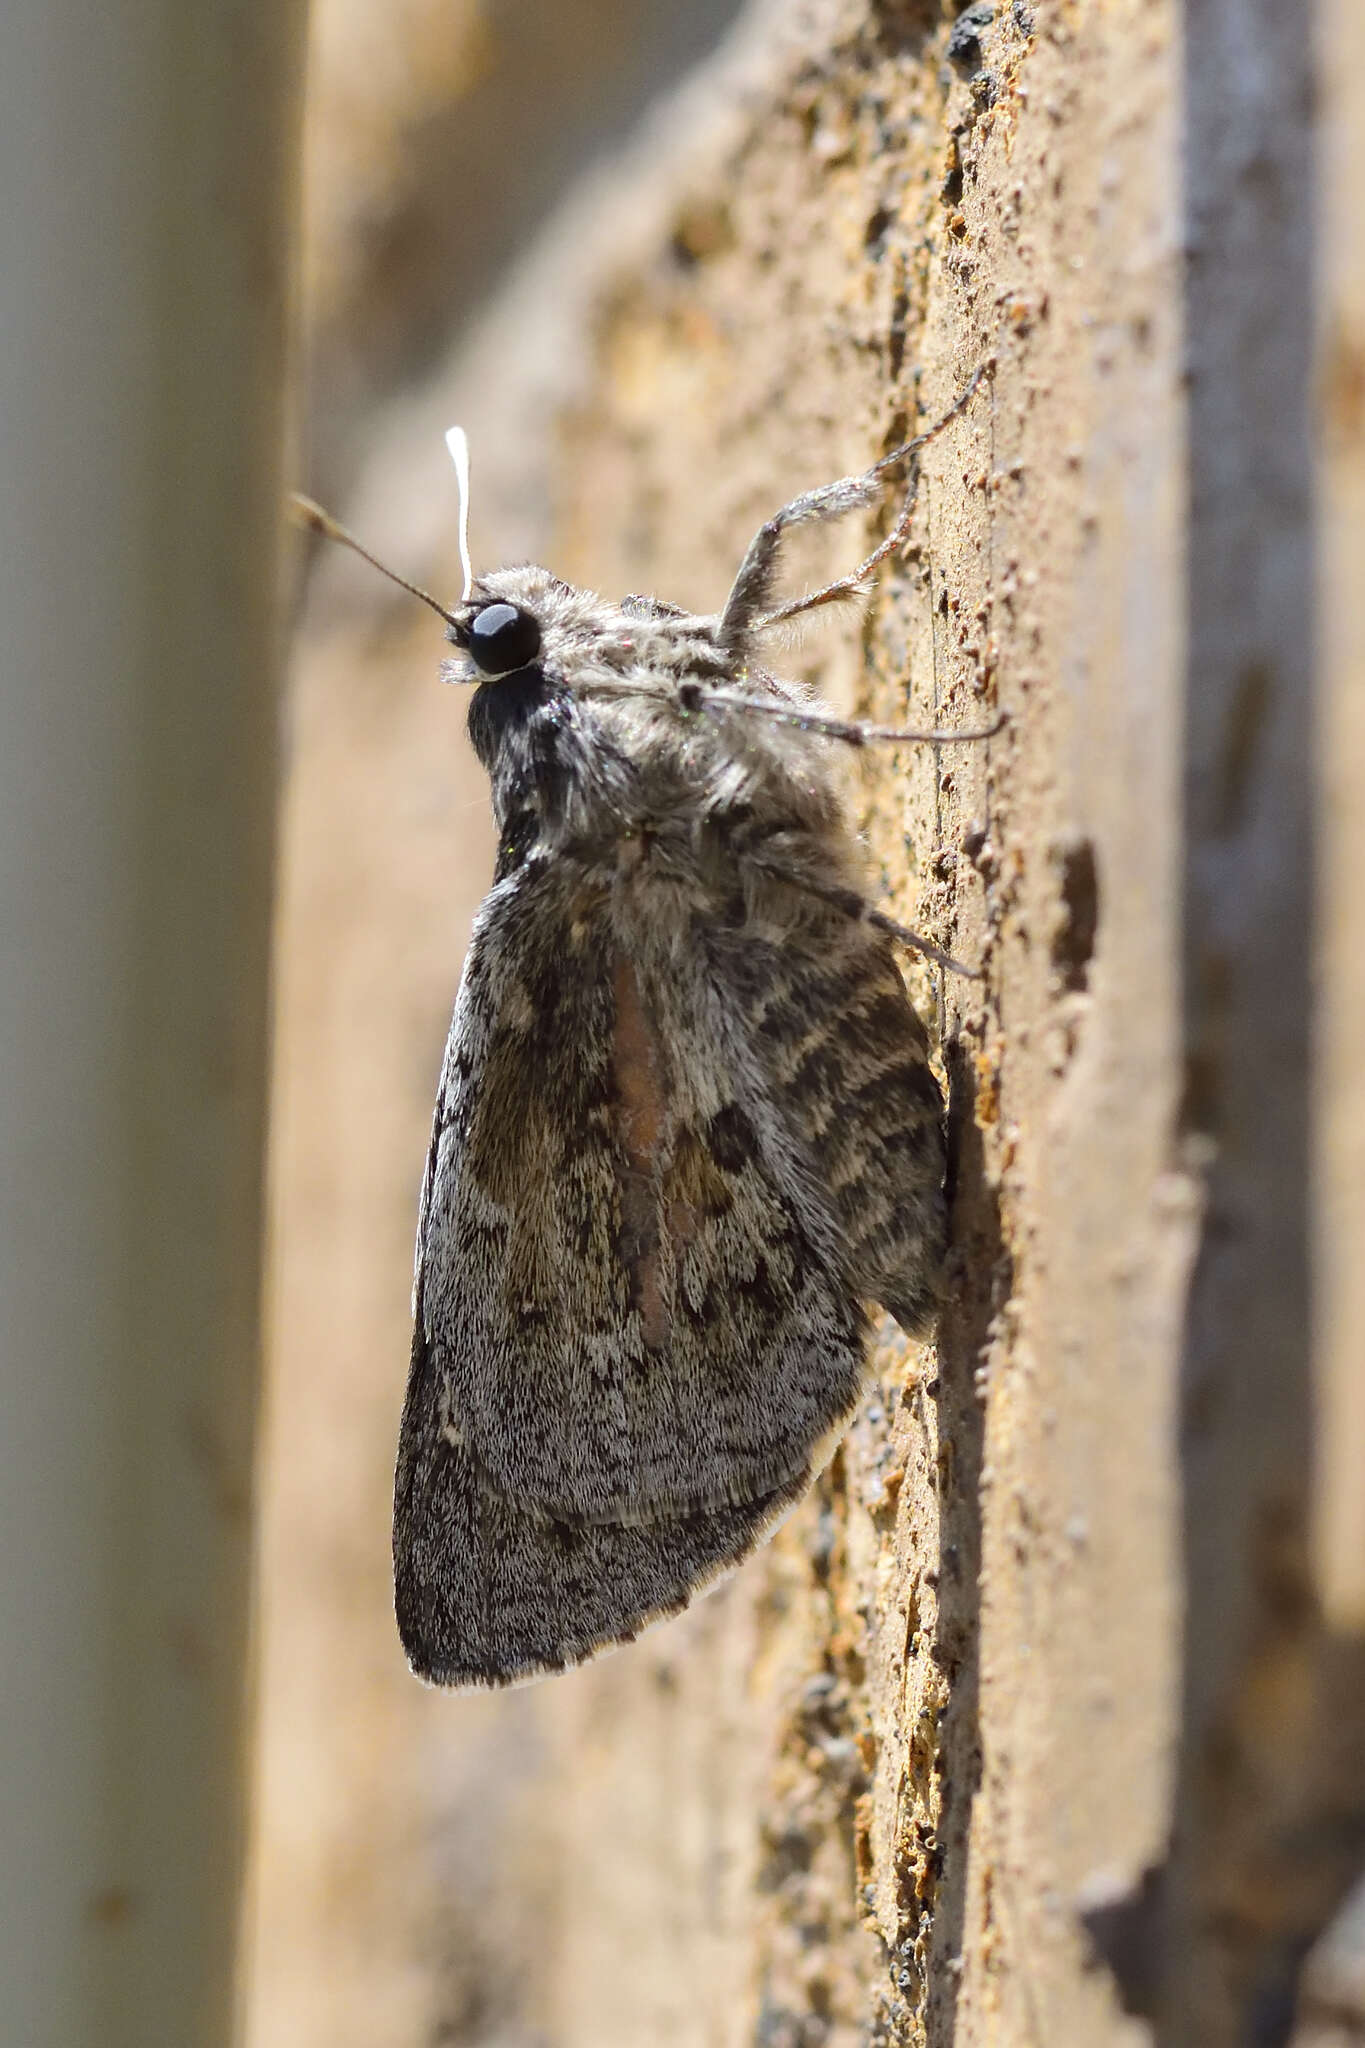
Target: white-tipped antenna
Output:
[(457, 441)]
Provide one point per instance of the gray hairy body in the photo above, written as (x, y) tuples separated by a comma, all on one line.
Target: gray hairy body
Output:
[(686, 1129)]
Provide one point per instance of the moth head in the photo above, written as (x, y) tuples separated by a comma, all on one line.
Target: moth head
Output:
[(513, 619), (498, 636)]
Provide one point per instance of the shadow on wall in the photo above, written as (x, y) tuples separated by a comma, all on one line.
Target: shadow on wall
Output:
[(421, 226), (981, 1280)]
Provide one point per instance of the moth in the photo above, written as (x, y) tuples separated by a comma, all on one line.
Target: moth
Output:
[(687, 1126)]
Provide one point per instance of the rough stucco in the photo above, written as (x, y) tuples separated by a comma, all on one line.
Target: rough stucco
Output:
[(911, 1774)]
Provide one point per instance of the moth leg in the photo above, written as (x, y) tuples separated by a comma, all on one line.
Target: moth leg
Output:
[(747, 610), (857, 907), (695, 696)]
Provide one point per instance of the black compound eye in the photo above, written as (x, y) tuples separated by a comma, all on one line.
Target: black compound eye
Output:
[(503, 637)]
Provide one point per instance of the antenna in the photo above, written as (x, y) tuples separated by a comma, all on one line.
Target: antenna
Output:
[(312, 516)]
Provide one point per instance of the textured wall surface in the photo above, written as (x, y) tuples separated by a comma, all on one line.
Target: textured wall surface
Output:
[(969, 1720), (911, 1775)]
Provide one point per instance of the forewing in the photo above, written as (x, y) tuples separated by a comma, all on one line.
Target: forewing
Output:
[(631, 1299)]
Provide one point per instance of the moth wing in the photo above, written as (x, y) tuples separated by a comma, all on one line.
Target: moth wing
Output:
[(488, 1593), (775, 1104), (634, 1338), (629, 1281), (846, 1064)]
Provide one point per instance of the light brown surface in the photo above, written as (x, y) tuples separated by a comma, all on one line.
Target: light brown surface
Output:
[(1340, 1103), (868, 1789)]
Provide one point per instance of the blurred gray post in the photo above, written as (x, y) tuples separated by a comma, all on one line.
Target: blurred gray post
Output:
[(146, 187)]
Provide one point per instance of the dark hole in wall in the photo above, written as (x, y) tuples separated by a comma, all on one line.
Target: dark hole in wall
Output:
[(1078, 886), (964, 50)]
